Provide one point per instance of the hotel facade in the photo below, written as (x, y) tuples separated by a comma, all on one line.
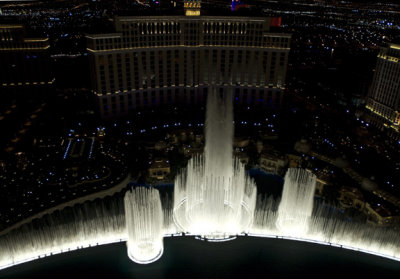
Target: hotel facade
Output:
[(152, 61), (383, 100)]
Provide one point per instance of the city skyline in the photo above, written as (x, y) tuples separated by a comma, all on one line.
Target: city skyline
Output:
[(102, 98)]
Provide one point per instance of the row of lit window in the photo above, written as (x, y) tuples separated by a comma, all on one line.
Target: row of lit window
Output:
[(171, 26), (191, 41), (27, 83), (382, 110)]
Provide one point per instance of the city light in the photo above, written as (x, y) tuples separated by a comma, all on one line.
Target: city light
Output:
[(134, 121)]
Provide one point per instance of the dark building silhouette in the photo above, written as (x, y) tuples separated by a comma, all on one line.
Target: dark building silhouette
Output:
[(25, 62)]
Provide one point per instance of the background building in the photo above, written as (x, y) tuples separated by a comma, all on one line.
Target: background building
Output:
[(176, 59), (25, 62), (273, 162), (159, 169), (384, 97)]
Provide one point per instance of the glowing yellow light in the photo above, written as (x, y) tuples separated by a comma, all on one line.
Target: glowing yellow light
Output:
[(393, 125), (192, 13), (185, 46), (36, 40), (10, 26), (25, 48), (390, 58)]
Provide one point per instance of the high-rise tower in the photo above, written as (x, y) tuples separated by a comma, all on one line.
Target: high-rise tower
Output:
[(384, 96)]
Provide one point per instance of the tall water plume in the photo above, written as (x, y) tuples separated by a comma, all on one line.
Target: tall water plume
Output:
[(213, 197), (296, 205), (144, 224)]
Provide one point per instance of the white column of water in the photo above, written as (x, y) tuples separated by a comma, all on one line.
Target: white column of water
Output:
[(295, 208), (144, 223), (214, 198), (218, 150), (83, 225)]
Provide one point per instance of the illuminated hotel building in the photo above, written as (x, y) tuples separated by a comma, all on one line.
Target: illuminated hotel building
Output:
[(25, 62), (158, 60), (384, 97)]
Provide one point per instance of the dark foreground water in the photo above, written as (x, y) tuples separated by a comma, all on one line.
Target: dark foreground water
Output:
[(185, 257)]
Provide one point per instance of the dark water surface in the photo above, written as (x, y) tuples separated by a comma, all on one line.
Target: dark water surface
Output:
[(186, 257)]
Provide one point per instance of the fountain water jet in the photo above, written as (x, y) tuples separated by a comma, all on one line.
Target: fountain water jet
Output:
[(214, 198), (296, 205), (144, 223)]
